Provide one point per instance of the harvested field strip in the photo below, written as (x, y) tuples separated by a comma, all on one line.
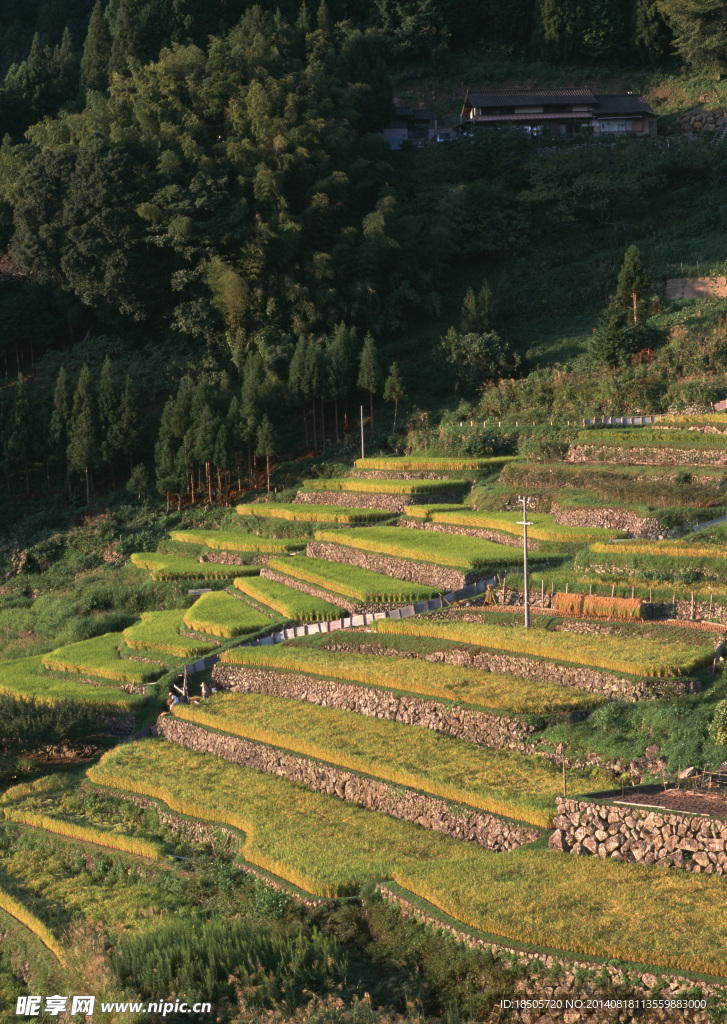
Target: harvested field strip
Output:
[(226, 540), (645, 437), (323, 845), (421, 546), (639, 656), (221, 614), (544, 526), (359, 584), (176, 567), (16, 909), (499, 781), (488, 690), (87, 834), (100, 657), (291, 604), (159, 631), (313, 513), (426, 463), (386, 486), (25, 678)]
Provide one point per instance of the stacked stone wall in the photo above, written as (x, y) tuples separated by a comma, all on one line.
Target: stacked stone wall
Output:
[(431, 575), (646, 836), (646, 456), (394, 503)]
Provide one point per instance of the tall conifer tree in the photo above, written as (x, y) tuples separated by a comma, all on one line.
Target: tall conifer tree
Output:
[(83, 430)]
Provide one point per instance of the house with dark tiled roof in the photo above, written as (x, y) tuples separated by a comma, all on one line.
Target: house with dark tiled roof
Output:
[(409, 124), (558, 113)]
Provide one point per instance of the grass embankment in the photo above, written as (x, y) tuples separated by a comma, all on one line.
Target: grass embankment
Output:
[(429, 463), (423, 546), (636, 655), (364, 486), (85, 833), (227, 540), (685, 561), (348, 580), (488, 690), (543, 527), (313, 513), (291, 604), (100, 657), (221, 614), (159, 631), (177, 567), (25, 678), (328, 847), (499, 781), (21, 913)]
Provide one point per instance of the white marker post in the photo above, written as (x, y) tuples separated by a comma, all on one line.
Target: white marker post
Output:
[(525, 524), (362, 436)]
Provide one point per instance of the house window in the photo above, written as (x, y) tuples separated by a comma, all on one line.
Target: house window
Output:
[(613, 127)]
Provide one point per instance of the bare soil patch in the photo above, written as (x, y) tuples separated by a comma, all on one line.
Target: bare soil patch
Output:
[(699, 801)]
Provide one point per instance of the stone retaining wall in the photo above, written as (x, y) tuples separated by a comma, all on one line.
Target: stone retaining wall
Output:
[(509, 539), (438, 576), (571, 983), (610, 519), (230, 558), (582, 678), (662, 838), (387, 502), (488, 730), (646, 456), (408, 804)]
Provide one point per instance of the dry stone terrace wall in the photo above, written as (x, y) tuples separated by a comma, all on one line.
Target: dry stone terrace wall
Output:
[(508, 539), (610, 519), (646, 456), (431, 575), (230, 558), (487, 730), (430, 812), (661, 838), (582, 678), (394, 503)]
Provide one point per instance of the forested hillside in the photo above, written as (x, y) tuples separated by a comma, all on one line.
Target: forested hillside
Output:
[(198, 209)]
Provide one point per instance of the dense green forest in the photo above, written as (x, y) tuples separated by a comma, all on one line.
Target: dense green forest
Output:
[(213, 256)]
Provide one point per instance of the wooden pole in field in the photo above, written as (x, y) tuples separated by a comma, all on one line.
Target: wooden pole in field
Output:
[(710, 606), (542, 593), (692, 605), (632, 591), (649, 595), (613, 589), (525, 525), (590, 589)]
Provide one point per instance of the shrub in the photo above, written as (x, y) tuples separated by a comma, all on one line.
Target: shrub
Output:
[(718, 725)]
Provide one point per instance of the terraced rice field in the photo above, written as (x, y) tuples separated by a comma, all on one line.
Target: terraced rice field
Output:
[(499, 781), (243, 543), (636, 655), (177, 567), (329, 847), (313, 513), (100, 657), (543, 526), (348, 580), (25, 678), (422, 546), (160, 631), (424, 463), (363, 486), (291, 604), (488, 690), (223, 615)]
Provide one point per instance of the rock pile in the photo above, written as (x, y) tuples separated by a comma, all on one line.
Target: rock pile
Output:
[(610, 519)]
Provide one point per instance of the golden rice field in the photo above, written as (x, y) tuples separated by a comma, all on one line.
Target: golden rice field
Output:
[(639, 655), (499, 781), (326, 846), (490, 690)]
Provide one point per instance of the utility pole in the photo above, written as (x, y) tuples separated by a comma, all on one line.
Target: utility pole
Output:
[(362, 435), (525, 524)]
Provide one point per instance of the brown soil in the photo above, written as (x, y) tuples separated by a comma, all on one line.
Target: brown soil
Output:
[(695, 288), (700, 801)]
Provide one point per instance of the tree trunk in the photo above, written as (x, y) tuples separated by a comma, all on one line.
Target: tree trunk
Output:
[(305, 427), (249, 465), (267, 469), (167, 502), (335, 409), (191, 477), (396, 407), (219, 480), (208, 471), (633, 295)]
